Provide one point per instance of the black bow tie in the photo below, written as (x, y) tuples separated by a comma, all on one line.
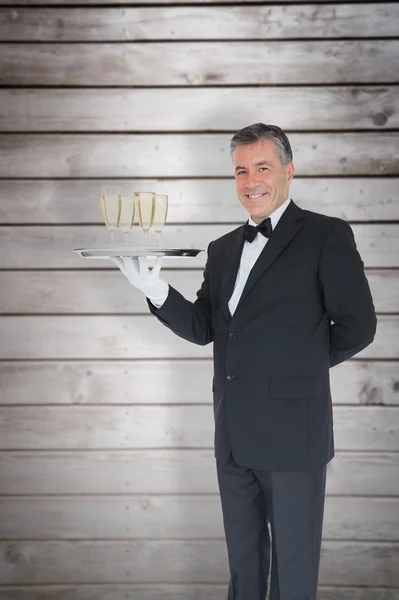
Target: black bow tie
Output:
[(265, 228)]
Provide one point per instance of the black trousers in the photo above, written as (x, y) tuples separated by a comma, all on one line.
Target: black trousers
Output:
[(293, 504)]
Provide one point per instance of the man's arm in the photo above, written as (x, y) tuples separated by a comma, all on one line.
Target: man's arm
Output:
[(347, 295), (189, 320)]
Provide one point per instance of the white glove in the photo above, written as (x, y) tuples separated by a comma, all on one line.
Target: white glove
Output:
[(138, 274)]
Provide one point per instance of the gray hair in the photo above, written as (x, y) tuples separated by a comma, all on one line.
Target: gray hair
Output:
[(260, 131)]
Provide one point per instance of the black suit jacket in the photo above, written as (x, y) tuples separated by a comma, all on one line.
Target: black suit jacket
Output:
[(306, 307)]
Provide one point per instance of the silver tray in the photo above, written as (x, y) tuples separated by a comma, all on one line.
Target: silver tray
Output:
[(105, 253)]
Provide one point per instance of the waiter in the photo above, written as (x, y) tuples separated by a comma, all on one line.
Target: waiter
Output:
[(284, 297)]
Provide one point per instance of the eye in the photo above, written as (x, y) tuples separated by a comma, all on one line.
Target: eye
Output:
[(240, 172), (263, 169)]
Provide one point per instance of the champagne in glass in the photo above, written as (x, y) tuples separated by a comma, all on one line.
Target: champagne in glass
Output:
[(126, 216), (111, 210), (160, 214), (145, 211)]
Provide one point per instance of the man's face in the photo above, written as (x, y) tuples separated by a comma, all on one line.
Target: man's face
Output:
[(262, 184)]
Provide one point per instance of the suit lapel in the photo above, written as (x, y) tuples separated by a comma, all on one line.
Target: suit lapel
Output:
[(287, 228), (230, 271)]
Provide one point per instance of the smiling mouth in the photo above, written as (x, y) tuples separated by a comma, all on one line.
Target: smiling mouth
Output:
[(255, 196)]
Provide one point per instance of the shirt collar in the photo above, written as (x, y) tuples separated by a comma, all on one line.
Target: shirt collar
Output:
[(275, 216)]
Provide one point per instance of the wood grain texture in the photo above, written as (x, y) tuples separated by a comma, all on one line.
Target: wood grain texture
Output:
[(161, 382), (86, 411), (199, 155), (199, 23), (178, 561), (170, 472), (167, 426), (188, 64), (187, 109), (172, 592), (50, 247), (67, 292), (90, 3), (193, 200), (130, 337), (173, 517)]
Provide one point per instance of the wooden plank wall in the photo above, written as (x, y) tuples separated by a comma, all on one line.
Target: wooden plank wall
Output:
[(107, 478)]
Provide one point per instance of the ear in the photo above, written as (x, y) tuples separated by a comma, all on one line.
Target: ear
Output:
[(290, 172)]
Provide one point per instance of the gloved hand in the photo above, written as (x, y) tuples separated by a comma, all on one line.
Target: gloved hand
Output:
[(138, 274)]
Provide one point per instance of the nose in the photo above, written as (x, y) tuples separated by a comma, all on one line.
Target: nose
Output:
[(252, 180)]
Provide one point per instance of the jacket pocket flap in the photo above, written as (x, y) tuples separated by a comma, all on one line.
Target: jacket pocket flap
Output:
[(296, 387)]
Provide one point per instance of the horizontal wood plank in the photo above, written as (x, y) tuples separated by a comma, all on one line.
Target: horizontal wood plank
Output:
[(93, 337), (172, 592), (199, 155), (178, 561), (167, 426), (193, 200), (170, 472), (174, 517), (66, 292), (130, 337), (199, 23), (51, 247), (161, 382), (199, 63), (293, 108), (90, 3)]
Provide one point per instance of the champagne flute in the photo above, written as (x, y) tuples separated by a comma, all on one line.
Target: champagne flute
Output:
[(145, 210), (111, 211), (127, 216), (160, 214)]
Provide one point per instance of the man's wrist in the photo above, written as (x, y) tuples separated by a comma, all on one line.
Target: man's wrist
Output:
[(158, 294)]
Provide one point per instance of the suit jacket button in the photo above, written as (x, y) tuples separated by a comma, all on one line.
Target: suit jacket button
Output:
[(232, 336), (230, 376)]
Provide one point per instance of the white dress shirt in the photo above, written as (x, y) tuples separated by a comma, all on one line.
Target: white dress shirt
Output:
[(249, 256)]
